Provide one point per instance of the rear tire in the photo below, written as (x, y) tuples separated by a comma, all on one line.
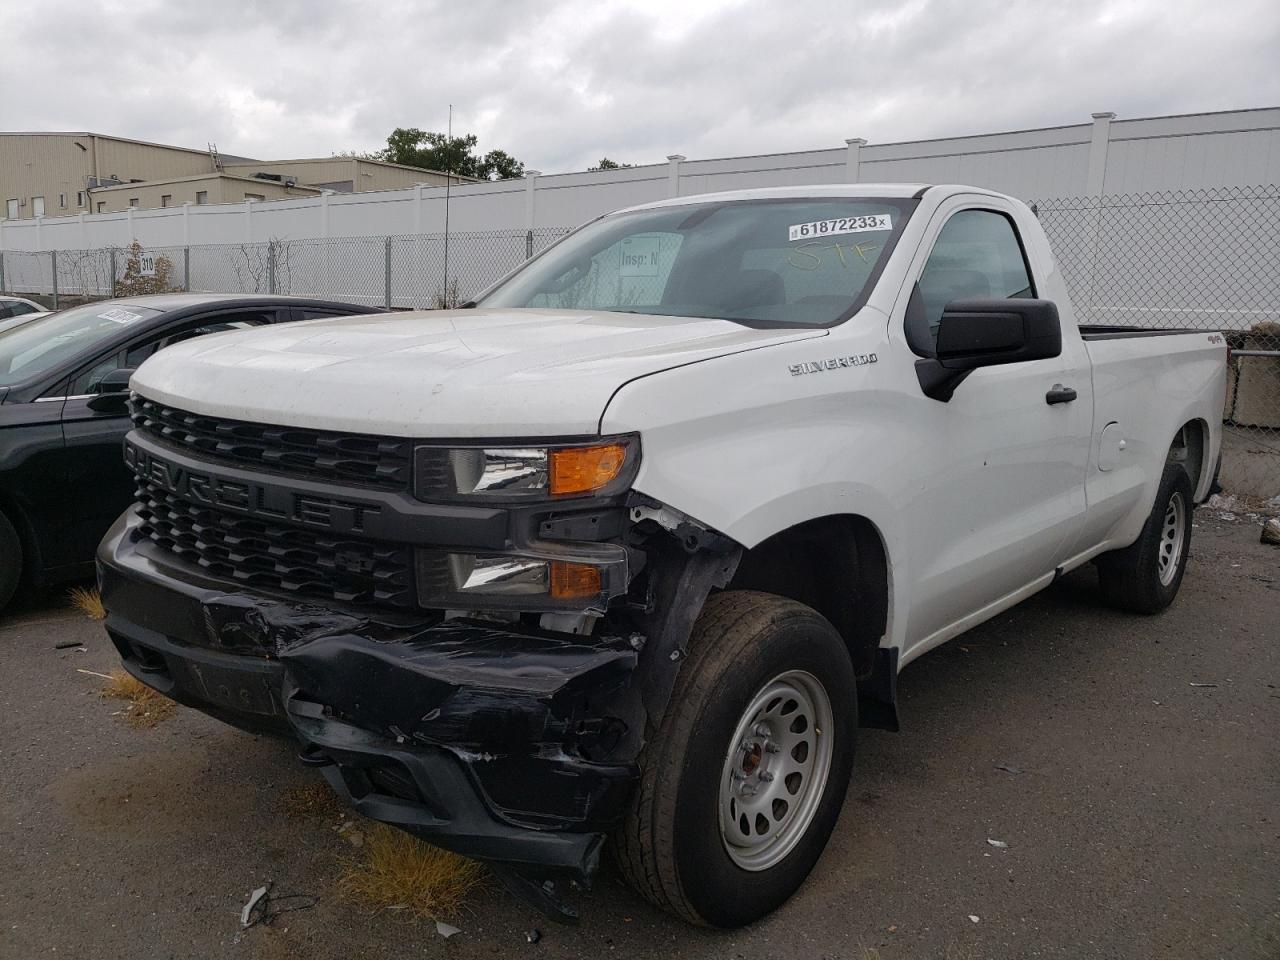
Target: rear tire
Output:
[(1145, 576), (10, 560), (739, 789)]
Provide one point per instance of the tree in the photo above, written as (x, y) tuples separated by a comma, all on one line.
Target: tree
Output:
[(607, 164), (437, 151)]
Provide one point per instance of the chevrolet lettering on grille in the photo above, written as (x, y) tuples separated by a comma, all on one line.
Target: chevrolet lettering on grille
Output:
[(255, 499)]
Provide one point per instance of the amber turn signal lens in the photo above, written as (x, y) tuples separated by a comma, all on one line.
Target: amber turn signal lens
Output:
[(574, 581), (583, 469)]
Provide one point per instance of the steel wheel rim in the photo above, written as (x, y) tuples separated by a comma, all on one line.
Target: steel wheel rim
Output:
[(1171, 537), (775, 770)]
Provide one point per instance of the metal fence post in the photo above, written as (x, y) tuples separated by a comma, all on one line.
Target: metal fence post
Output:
[(53, 260), (2, 286), (271, 266), (528, 244), (387, 275), (111, 287), (186, 263)]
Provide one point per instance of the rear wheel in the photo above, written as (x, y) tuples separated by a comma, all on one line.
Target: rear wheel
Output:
[(741, 786), (1145, 576), (10, 560)]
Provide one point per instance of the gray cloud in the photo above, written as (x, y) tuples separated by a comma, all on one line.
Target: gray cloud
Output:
[(562, 84)]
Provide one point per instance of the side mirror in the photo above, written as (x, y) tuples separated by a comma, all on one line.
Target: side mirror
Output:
[(113, 391), (986, 333)]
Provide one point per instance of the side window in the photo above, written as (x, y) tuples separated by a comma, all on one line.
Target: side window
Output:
[(87, 380), (977, 254)]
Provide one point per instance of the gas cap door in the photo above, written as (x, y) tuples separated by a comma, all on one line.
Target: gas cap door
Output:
[(1111, 444)]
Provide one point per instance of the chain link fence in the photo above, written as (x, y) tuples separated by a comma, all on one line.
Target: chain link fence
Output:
[(423, 271), (1195, 259)]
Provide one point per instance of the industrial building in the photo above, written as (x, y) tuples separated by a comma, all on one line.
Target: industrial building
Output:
[(62, 174)]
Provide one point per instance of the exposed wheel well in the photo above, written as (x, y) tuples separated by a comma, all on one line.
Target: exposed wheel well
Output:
[(838, 566), (1188, 448)]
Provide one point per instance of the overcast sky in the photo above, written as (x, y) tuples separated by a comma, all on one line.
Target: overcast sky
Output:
[(560, 83)]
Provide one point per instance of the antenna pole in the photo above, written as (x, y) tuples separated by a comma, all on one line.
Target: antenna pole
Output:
[(448, 183)]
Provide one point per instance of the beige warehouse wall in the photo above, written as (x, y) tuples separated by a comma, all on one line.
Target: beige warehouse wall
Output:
[(363, 175), (43, 166), (220, 189), (142, 161), (49, 165)]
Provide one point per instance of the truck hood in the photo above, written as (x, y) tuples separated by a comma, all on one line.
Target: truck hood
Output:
[(455, 373)]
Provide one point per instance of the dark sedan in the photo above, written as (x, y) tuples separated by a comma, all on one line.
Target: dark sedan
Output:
[(63, 418)]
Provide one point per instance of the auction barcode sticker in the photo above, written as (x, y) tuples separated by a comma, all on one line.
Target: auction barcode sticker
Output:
[(123, 317), (827, 228)]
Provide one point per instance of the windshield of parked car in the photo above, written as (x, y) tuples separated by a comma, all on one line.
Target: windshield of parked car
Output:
[(769, 262), (31, 349)]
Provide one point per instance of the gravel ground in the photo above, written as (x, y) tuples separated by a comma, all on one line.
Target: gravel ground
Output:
[(1141, 812)]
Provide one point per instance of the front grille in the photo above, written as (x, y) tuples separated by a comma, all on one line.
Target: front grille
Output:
[(271, 556), (383, 462)]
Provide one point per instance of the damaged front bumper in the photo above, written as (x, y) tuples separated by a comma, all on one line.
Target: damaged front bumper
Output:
[(503, 743)]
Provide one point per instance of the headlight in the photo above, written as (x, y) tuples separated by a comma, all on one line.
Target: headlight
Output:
[(499, 474), (464, 581)]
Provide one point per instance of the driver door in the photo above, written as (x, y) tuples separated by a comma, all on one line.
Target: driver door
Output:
[(1003, 487)]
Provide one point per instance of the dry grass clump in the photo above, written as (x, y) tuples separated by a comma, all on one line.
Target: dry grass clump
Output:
[(396, 871), (315, 801), (144, 707), (87, 601)]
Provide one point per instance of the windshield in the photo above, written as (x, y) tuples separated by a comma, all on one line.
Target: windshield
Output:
[(39, 346), (768, 262)]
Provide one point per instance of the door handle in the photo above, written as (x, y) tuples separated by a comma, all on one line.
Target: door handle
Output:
[(1059, 394)]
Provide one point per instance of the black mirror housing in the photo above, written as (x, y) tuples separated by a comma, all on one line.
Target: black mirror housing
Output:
[(116, 381), (113, 391), (985, 333)]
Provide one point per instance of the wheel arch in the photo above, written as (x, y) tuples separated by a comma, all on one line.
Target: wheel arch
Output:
[(839, 565), (1190, 447)]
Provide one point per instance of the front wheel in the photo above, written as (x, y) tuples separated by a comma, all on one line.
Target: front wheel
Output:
[(1145, 576), (742, 784)]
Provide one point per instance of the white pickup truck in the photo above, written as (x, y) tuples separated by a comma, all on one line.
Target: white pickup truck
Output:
[(627, 550)]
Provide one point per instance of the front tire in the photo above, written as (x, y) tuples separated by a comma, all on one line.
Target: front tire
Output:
[(742, 784), (1145, 576), (10, 560)]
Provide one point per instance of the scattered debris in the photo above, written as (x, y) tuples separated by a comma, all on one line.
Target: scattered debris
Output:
[(973, 918), (65, 644), (263, 908), (88, 602), (1204, 684), (998, 844), (534, 935), (1271, 531), (1009, 768), (893, 928), (144, 707), (445, 930), (254, 898)]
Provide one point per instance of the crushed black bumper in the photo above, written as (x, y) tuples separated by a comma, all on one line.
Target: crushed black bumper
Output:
[(505, 744)]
